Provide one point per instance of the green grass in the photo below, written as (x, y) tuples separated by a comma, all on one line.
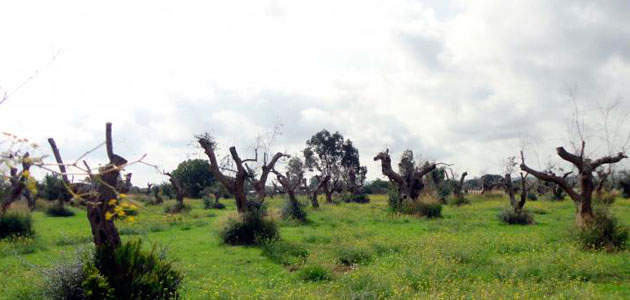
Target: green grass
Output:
[(466, 254)]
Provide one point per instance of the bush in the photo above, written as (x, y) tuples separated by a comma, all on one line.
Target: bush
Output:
[(420, 208), (125, 273), (212, 204), (64, 281), (59, 211), (532, 196), (16, 224), (604, 232), (131, 273), (509, 216), (604, 198), (284, 252), (176, 208), (358, 198), (249, 229), (457, 201), (314, 273), (354, 255), (294, 210)]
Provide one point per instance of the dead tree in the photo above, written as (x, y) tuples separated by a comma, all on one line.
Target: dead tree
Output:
[(517, 205), (156, 194), (98, 200), (290, 182), (236, 184), (313, 192), (585, 168), (17, 183), (149, 185), (409, 185), (458, 186), (260, 183), (125, 186), (177, 186)]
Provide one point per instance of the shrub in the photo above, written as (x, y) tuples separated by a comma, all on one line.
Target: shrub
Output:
[(509, 216), (212, 204), (284, 252), (124, 273), (532, 196), (358, 198), (314, 273), (457, 201), (604, 232), (64, 281), (176, 208), (393, 201), (249, 229), (16, 224), (57, 210), (294, 210), (354, 255), (420, 208), (131, 273), (604, 198)]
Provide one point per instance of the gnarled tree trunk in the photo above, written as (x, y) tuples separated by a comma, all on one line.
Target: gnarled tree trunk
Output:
[(585, 167)]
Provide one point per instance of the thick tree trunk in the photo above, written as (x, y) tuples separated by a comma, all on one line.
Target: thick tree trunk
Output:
[(584, 216)]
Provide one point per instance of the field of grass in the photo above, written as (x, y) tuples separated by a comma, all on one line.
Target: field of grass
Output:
[(353, 251)]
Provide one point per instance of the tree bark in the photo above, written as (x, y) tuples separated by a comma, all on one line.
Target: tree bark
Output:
[(585, 167), (18, 183), (179, 191)]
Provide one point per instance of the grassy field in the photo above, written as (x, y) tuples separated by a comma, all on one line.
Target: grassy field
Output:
[(467, 254)]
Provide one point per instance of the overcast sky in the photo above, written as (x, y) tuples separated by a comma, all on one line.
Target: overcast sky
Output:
[(457, 81)]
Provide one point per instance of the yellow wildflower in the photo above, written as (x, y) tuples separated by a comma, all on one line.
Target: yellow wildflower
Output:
[(108, 216), (113, 201), (122, 195), (131, 219), (125, 205), (26, 173)]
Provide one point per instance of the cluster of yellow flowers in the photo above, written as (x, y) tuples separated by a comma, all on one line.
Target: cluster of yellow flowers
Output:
[(31, 183), (121, 210)]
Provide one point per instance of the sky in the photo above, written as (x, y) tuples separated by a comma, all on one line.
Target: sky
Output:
[(467, 83)]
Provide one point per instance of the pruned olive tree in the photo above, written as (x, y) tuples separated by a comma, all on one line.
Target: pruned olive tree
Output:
[(241, 172), (103, 196), (18, 180), (313, 189), (585, 167), (408, 180), (457, 185)]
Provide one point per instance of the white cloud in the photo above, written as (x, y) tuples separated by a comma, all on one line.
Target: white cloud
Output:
[(460, 81)]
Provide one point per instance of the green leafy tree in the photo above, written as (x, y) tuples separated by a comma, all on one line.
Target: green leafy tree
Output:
[(194, 175)]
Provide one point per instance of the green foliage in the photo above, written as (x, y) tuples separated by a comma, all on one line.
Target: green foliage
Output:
[(532, 196), (420, 208), (283, 252), (130, 272), (294, 210), (53, 188), (605, 231), (212, 204), (377, 186), (175, 208), (56, 210), (249, 229), (357, 198), (195, 176), (604, 198), (510, 216), (16, 224), (353, 255), (457, 201), (314, 273), (392, 199), (64, 281)]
